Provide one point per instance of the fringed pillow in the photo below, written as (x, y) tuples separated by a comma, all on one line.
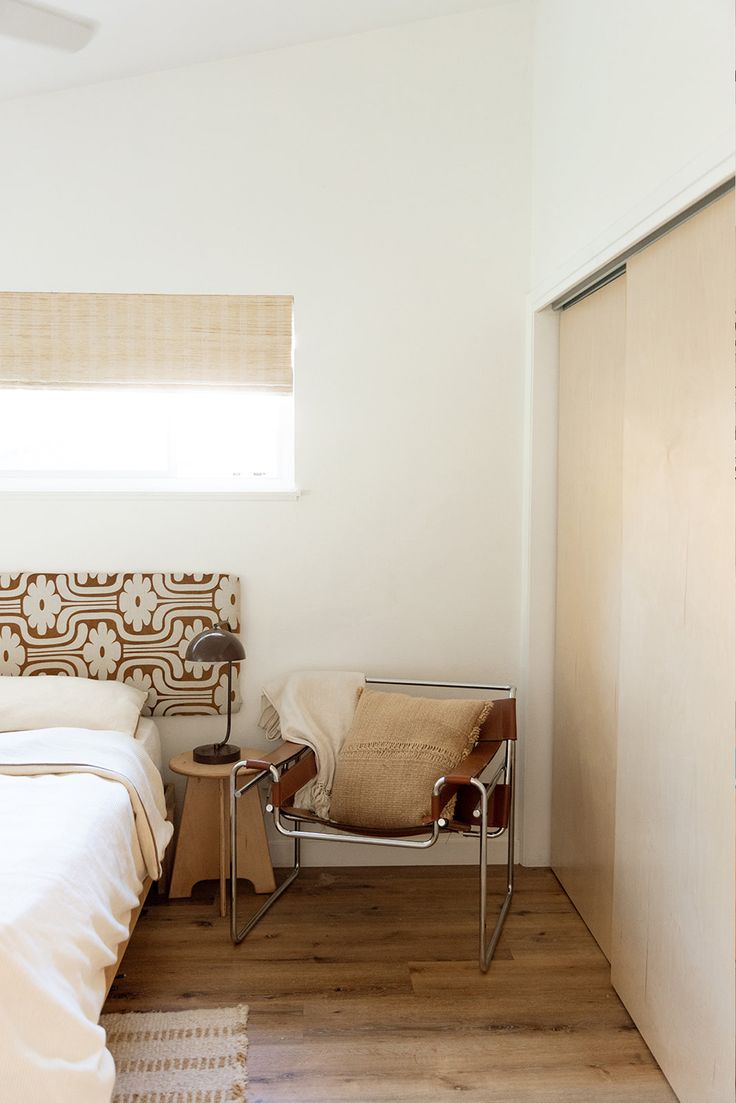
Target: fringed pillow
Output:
[(394, 752)]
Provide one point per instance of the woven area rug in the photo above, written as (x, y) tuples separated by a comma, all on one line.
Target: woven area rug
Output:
[(179, 1056)]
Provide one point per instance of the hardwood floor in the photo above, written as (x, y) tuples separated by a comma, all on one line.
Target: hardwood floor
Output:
[(364, 988)]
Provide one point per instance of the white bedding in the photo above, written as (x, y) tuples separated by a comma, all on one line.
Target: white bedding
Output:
[(149, 738), (82, 820)]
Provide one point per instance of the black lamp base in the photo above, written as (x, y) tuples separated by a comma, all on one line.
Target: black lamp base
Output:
[(212, 754)]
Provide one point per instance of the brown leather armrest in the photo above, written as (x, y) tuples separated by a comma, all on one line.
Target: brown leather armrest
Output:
[(474, 764), (293, 778), (471, 766), (283, 753)]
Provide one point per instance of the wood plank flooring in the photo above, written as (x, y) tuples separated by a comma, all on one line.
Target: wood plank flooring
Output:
[(364, 988)]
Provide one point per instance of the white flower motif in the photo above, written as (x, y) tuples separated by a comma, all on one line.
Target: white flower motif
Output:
[(102, 651), (197, 670), (140, 680), (220, 695), (12, 652), (41, 604), (226, 600), (6, 580), (137, 601)]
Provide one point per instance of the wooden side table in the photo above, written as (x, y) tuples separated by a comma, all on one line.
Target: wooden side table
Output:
[(203, 845)]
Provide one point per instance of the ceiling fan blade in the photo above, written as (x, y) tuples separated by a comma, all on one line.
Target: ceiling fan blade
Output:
[(44, 26)]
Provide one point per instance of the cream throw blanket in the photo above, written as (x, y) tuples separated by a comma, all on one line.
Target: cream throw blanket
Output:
[(316, 708)]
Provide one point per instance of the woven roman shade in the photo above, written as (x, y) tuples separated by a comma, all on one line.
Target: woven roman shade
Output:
[(57, 339)]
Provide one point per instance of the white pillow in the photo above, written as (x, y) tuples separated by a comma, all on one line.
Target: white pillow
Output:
[(57, 701)]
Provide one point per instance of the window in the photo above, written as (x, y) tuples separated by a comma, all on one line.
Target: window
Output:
[(134, 439), (142, 391)]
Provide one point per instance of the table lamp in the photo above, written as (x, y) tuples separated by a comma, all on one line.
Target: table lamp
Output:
[(217, 645)]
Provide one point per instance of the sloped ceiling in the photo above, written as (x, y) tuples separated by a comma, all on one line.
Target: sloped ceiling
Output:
[(141, 36)]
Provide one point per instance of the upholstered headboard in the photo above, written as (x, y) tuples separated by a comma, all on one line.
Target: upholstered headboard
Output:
[(131, 627)]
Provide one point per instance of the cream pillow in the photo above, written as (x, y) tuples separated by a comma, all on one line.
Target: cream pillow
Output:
[(57, 701), (394, 752)]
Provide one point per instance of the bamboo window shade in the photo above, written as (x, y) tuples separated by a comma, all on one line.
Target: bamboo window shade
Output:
[(59, 339)]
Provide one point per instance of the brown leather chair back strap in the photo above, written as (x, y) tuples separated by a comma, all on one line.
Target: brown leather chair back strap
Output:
[(500, 723)]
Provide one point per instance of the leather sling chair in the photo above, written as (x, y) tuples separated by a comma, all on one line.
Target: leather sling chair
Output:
[(484, 807)]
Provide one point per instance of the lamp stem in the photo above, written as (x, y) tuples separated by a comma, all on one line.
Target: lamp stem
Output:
[(229, 706)]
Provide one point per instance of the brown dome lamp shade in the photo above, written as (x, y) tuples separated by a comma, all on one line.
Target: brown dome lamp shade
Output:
[(217, 645)]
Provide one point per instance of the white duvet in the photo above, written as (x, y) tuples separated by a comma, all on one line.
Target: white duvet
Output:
[(82, 821)]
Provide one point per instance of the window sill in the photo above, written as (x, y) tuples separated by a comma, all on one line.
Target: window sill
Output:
[(39, 490)]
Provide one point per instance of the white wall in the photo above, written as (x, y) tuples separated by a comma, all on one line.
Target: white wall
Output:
[(632, 121), (383, 179), (633, 109)]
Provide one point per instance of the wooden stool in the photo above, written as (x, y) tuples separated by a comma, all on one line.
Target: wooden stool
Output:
[(203, 845)]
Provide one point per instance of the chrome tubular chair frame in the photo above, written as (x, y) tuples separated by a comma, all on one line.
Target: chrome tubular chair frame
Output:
[(237, 935), (282, 819)]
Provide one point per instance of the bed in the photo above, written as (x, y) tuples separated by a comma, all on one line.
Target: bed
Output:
[(82, 852), (83, 816)]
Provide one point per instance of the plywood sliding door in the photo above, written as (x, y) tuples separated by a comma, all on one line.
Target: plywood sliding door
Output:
[(592, 350), (673, 915)]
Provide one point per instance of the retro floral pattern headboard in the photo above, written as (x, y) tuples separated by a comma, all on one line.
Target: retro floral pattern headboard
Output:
[(131, 627)]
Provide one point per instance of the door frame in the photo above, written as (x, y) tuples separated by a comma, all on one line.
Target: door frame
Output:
[(539, 497)]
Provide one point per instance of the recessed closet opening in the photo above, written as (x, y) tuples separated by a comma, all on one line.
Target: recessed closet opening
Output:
[(640, 609)]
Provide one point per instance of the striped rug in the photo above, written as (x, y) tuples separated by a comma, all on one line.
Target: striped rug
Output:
[(179, 1056)]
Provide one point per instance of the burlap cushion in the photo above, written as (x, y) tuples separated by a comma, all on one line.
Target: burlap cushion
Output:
[(394, 752)]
